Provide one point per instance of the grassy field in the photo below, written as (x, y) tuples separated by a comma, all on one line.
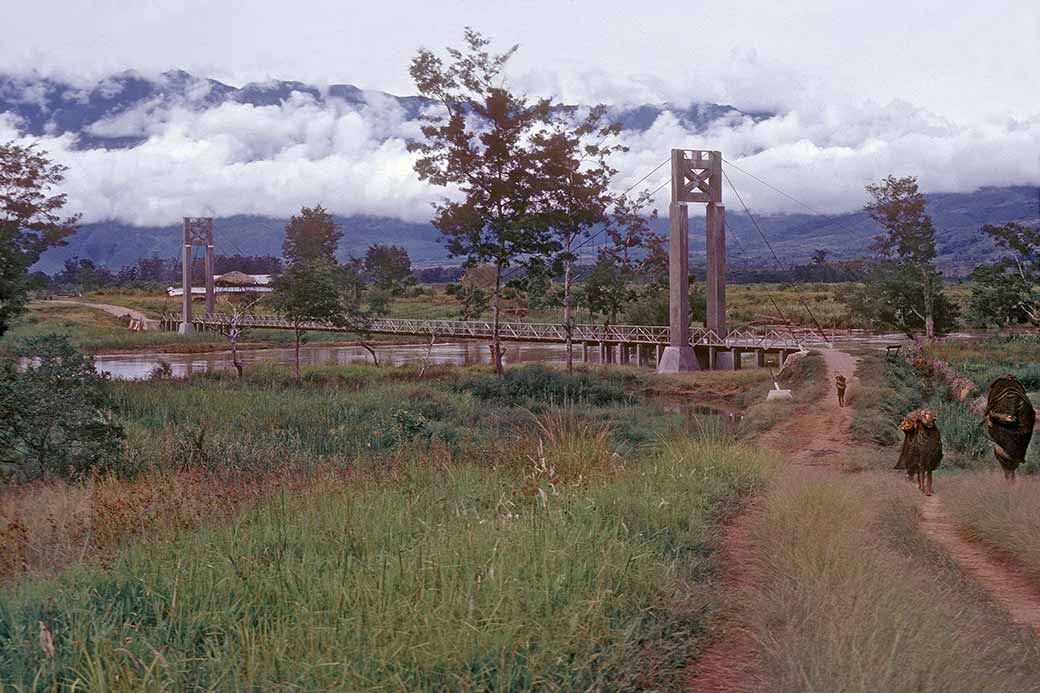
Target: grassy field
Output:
[(367, 529), (857, 599), (1006, 518), (983, 360)]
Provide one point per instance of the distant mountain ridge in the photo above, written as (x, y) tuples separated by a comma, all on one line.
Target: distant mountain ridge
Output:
[(958, 218), (49, 106)]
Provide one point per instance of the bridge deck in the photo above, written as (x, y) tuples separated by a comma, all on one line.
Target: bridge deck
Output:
[(517, 331)]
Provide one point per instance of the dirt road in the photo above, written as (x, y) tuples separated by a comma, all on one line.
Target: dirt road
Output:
[(118, 311), (817, 436)]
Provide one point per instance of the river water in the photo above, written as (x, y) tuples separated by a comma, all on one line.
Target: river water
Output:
[(138, 366)]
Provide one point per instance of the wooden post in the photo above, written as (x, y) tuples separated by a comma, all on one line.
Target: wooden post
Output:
[(186, 259), (715, 289), (210, 287)]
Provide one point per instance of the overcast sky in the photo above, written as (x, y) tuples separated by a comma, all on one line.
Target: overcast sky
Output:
[(961, 59), (948, 91)]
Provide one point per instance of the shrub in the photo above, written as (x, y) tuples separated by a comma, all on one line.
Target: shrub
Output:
[(543, 385), (55, 412)]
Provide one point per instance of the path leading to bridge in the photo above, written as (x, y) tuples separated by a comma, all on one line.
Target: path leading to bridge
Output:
[(816, 439), (118, 311)]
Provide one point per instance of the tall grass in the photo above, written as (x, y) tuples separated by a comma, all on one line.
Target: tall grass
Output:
[(444, 579), (855, 600), (1002, 516), (808, 382), (984, 360)]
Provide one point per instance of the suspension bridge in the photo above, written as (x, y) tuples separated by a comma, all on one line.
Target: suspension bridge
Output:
[(696, 176), (639, 344)]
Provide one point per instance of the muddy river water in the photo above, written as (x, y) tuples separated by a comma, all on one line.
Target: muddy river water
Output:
[(136, 366)]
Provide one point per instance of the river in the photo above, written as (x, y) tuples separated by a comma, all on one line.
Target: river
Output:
[(138, 366)]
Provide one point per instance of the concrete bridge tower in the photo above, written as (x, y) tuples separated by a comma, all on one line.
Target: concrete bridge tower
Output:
[(197, 231), (696, 177)]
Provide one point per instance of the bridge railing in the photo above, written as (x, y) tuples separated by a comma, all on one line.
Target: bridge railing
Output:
[(514, 331)]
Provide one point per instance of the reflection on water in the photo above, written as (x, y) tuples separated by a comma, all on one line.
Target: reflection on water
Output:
[(139, 366)]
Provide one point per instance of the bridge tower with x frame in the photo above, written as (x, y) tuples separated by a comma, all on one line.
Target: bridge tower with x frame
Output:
[(696, 177), (198, 231)]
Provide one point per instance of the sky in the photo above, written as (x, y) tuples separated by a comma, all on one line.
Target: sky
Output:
[(949, 91)]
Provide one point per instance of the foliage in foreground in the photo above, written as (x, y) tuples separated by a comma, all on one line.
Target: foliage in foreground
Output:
[(458, 577), (55, 413), (858, 600)]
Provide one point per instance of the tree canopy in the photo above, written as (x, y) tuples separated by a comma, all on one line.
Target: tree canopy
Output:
[(31, 221)]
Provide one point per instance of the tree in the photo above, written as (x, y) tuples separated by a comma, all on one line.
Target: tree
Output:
[(1008, 291), (891, 296), (313, 235), (85, 275), (574, 157), (388, 267), (55, 412), (606, 288), (237, 325), (480, 145), (30, 221), (909, 239), (307, 292), (473, 300)]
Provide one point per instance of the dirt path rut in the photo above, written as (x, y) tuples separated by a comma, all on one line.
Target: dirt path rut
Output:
[(1008, 586), (815, 435)]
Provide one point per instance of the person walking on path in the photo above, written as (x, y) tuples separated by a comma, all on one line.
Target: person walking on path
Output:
[(840, 383)]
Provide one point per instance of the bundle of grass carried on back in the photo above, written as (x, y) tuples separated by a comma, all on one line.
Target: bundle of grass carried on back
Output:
[(922, 448), (1010, 419)]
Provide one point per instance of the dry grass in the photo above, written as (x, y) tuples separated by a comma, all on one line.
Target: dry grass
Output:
[(47, 526), (855, 599), (1004, 517)]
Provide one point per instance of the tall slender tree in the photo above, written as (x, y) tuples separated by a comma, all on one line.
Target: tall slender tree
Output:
[(479, 144), (573, 159), (908, 238)]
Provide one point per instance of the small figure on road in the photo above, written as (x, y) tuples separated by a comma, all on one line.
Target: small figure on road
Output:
[(922, 448), (840, 383), (1010, 419)]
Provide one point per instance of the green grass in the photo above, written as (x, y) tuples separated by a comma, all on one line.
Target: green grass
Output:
[(462, 578), (807, 380), (984, 360), (856, 599)]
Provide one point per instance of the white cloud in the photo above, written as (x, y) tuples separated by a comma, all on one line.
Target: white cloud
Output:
[(270, 160)]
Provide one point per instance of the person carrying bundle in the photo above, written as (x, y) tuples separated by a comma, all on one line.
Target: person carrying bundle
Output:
[(1010, 418), (840, 384), (922, 448)]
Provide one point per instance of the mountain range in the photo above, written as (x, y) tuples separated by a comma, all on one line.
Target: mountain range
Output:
[(47, 106)]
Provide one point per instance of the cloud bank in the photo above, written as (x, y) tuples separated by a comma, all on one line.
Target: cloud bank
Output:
[(271, 160)]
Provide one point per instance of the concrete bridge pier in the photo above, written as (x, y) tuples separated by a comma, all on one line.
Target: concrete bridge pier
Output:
[(584, 352), (760, 358), (623, 354)]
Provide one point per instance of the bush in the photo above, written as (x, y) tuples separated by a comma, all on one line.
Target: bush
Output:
[(55, 413), (542, 385)]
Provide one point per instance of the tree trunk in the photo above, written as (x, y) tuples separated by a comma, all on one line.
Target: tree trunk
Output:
[(368, 347), (234, 356), (496, 309), (929, 305), (568, 324), (298, 356)]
